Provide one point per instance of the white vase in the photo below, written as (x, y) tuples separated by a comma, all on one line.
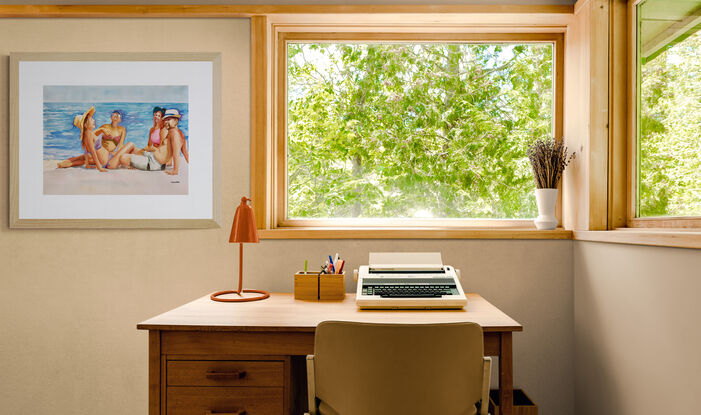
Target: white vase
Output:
[(546, 199)]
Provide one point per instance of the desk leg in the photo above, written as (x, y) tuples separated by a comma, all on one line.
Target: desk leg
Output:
[(154, 372), (506, 374)]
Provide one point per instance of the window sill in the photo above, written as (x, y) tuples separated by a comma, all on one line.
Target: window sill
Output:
[(410, 233), (676, 238)]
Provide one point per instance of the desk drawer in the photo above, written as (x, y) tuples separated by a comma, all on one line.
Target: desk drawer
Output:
[(224, 373), (224, 400)]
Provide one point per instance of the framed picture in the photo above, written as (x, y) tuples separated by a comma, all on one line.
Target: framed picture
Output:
[(119, 140)]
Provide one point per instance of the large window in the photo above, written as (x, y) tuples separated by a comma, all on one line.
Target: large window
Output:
[(414, 131), (669, 109)]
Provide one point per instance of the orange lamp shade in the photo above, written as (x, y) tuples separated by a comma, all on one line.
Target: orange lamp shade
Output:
[(244, 229)]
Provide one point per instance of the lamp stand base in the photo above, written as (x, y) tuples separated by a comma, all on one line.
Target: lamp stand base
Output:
[(263, 295)]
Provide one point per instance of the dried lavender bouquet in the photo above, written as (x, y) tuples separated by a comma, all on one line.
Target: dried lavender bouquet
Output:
[(548, 158)]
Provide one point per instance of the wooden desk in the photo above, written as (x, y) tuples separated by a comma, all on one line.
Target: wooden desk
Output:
[(261, 345)]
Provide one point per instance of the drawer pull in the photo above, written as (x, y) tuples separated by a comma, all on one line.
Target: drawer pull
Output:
[(241, 412), (234, 374)]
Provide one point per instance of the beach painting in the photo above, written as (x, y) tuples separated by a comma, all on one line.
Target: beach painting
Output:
[(115, 140), (133, 133)]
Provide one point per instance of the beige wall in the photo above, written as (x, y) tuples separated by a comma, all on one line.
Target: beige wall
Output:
[(70, 299), (637, 336)]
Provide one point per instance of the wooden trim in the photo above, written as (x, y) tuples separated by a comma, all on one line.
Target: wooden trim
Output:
[(559, 111), (677, 238), (351, 223), (618, 115), (279, 151), (384, 23), (632, 144), (202, 11), (409, 233), (666, 222), (559, 85), (260, 169), (340, 36), (599, 118)]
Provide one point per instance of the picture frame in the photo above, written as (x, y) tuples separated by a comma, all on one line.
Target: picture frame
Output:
[(132, 112)]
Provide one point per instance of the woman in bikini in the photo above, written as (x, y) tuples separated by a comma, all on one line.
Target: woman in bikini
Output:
[(113, 135), (108, 148), (88, 140), (156, 134), (105, 150)]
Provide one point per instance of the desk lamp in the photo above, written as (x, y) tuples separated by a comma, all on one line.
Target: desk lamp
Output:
[(242, 231)]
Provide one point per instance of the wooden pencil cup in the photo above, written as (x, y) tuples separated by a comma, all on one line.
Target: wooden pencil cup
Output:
[(332, 286), (307, 286), (313, 286)]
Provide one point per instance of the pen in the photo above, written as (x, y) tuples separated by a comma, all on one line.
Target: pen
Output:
[(331, 264), (305, 266), (335, 261)]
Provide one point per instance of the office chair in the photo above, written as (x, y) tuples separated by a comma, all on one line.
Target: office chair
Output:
[(386, 369)]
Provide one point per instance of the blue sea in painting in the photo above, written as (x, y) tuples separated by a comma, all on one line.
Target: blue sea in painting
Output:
[(62, 139)]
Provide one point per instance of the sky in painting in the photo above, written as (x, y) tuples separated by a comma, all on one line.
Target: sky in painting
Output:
[(110, 93)]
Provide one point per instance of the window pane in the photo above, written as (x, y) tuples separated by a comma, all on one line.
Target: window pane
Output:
[(669, 119), (408, 130)]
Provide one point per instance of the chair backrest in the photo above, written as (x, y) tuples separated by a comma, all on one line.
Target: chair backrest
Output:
[(406, 369)]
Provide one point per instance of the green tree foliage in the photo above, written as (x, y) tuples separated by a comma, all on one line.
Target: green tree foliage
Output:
[(407, 130), (670, 131)]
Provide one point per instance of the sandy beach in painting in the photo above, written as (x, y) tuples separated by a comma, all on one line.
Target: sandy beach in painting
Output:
[(82, 181)]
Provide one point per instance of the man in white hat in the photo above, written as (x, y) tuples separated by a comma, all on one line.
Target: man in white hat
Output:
[(162, 156), (176, 138)]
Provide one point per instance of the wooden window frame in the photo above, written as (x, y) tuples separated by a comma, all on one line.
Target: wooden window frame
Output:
[(622, 225), (270, 151), (632, 162)]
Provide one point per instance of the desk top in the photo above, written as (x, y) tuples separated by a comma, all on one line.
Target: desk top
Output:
[(281, 312)]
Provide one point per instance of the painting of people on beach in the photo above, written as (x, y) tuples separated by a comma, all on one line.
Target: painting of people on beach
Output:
[(115, 140)]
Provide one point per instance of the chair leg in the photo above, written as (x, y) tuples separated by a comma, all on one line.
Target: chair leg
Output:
[(311, 386), (486, 380)]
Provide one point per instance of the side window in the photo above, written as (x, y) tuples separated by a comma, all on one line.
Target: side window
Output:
[(668, 109)]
